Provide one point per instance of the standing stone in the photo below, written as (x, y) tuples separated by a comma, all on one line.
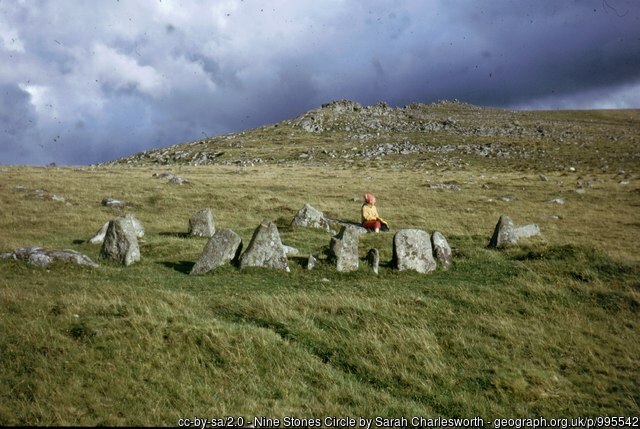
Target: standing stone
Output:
[(311, 263), (412, 251), (441, 249), (373, 257), (99, 236), (224, 247), (310, 217), (265, 249), (343, 249), (202, 224), (503, 235), (120, 242)]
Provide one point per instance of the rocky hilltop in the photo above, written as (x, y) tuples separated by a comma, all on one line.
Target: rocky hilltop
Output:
[(446, 133)]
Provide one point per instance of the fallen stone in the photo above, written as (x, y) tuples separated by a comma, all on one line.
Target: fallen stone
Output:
[(526, 231), (503, 234), (112, 202), (222, 248), (373, 258), (120, 242), (441, 249), (445, 186), (176, 180), (43, 257), (202, 223), (343, 249), (310, 217), (412, 251), (507, 198), (288, 250), (99, 235), (265, 249)]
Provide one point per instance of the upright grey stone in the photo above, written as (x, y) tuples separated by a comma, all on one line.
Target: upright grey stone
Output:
[(265, 249), (99, 236), (224, 247), (310, 217), (202, 224), (343, 249), (373, 257), (311, 262), (503, 234), (412, 251), (441, 249), (120, 242)]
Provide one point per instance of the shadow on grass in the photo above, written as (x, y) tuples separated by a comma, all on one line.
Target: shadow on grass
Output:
[(175, 234), (79, 241), (183, 267)]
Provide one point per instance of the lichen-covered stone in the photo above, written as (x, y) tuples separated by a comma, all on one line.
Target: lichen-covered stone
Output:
[(412, 251)]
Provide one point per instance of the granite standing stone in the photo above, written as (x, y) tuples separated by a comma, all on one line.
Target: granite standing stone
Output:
[(503, 234), (343, 249), (202, 223), (412, 251), (265, 249), (120, 242), (224, 247), (441, 249)]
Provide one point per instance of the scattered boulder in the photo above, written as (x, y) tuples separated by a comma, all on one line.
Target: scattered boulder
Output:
[(223, 247), (311, 262), (311, 217), (176, 180), (343, 249), (441, 249), (373, 258), (503, 234), (112, 202), (202, 223), (526, 231), (556, 200), (412, 251), (265, 249), (43, 257), (120, 242), (98, 238)]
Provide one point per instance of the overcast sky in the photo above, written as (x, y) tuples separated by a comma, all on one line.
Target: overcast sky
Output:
[(84, 81)]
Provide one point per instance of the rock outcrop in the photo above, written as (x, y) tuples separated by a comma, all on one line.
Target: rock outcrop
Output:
[(265, 249), (224, 247), (202, 223), (412, 251), (343, 249), (120, 242)]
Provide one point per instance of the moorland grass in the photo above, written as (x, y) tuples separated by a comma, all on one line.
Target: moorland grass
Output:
[(547, 328)]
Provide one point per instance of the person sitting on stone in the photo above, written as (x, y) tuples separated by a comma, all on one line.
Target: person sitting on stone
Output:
[(370, 218)]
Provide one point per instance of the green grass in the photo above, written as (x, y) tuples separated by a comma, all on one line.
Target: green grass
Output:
[(547, 328)]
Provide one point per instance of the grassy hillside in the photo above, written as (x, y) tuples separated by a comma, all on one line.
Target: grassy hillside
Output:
[(547, 328)]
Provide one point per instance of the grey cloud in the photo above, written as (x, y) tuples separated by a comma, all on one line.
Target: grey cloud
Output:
[(194, 70)]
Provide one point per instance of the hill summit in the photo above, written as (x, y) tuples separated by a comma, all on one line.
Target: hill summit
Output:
[(441, 133)]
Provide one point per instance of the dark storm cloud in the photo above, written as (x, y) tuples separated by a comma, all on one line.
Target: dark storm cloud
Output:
[(90, 83)]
